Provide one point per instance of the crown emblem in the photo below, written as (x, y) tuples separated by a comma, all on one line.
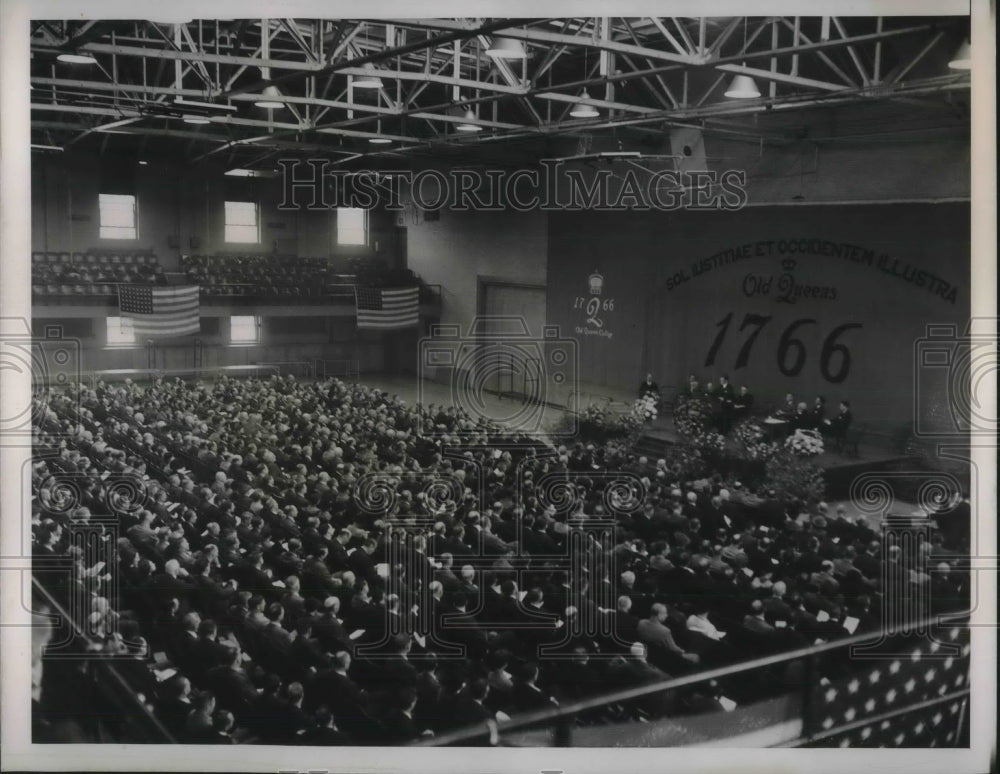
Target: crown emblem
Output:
[(788, 264), (596, 283)]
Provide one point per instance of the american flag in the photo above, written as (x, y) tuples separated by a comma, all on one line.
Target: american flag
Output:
[(161, 311), (914, 698), (387, 308)]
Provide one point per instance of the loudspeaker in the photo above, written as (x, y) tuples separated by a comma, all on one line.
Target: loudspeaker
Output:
[(688, 145)]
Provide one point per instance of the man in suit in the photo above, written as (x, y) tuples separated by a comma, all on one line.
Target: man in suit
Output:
[(274, 640), (361, 563), (175, 704), (837, 427), (649, 387), (306, 654), (724, 397), (184, 644), (656, 635), (230, 683), (208, 651), (625, 625), (818, 413), (471, 705), (399, 725), (528, 697), (742, 403), (760, 636), (870, 562), (325, 732), (335, 689), (462, 627), (328, 628)]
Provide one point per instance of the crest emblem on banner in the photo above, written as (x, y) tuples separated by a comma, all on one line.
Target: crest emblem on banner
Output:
[(593, 306)]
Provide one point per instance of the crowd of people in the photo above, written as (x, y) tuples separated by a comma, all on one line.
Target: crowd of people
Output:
[(302, 562)]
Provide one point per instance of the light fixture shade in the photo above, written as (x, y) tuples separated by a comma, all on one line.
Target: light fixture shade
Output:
[(370, 80), (270, 98), (192, 119), (743, 87), (469, 116), (962, 60), (379, 140), (582, 110), (506, 48), (85, 59)]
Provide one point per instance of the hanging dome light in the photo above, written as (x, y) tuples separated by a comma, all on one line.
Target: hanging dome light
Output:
[(962, 60), (583, 110), (469, 127), (84, 59), (506, 48), (369, 80), (192, 119), (270, 98), (378, 139), (743, 87)]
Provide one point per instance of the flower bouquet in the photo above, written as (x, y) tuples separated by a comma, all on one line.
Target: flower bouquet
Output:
[(645, 409), (751, 441), (804, 443)]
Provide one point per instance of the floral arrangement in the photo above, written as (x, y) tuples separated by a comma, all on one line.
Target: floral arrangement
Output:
[(692, 416), (709, 442), (595, 413), (599, 424), (645, 408), (751, 441), (795, 479), (804, 443), (684, 462)]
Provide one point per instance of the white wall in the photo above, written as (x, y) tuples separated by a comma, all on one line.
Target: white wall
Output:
[(463, 246)]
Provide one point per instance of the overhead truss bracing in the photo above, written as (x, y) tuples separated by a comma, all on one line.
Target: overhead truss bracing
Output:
[(433, 85)]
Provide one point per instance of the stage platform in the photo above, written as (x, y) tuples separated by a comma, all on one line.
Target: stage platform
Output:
[(840, 468)]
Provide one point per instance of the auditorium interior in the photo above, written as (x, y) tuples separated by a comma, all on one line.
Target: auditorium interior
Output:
[(528, 382)]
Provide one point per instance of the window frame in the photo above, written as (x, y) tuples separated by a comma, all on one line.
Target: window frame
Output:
[(121, 343), (256, 330), (226, 225), (365, 227), (132, 232)]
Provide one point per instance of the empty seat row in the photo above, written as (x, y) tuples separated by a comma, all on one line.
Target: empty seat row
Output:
[(93, 259)]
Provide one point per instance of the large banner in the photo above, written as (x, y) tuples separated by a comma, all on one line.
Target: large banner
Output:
[(831, 300)]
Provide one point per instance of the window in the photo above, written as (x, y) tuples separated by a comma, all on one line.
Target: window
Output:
[(121, 332), (241, 222), (352, 226), (244, 329), (117, 216)]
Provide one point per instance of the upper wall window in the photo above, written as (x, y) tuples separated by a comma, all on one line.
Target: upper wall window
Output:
[(118, 217), (352, 226), (242, 222), (121, 332)]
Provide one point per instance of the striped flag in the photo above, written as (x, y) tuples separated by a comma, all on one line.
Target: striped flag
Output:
[(161, 311), (387, 308)]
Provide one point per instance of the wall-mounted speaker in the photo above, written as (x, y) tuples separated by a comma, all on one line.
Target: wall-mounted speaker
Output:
[(688, 145)]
